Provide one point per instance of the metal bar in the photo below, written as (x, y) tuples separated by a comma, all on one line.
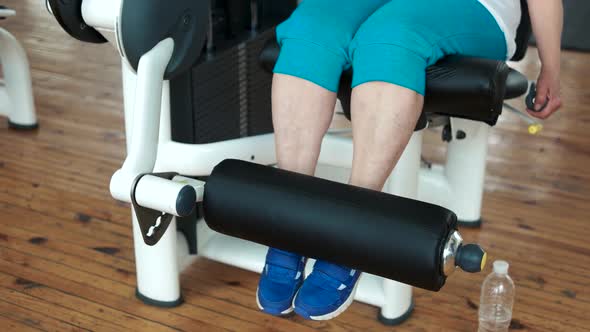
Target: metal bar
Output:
[(143, 147)]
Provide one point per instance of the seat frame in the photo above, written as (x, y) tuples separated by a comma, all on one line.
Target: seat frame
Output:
[(457, 185), (16, 92)]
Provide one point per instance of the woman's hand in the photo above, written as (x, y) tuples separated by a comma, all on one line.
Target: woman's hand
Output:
[(547, 22), (548, 92)]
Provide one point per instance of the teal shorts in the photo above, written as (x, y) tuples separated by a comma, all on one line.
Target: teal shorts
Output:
[(390, 41)]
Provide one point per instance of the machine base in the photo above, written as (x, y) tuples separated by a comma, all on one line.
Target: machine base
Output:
[(470, 224), (156, 303), (399, 320), (17, 126)]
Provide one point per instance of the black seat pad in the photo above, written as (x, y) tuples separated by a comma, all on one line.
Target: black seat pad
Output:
[(457, 86), (516, 84)]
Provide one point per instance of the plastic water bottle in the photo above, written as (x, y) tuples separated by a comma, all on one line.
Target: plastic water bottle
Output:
[(497, 299)]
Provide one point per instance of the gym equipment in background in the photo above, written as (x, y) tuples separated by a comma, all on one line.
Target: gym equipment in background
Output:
[(576, 26), (189, 121), (16, 92)]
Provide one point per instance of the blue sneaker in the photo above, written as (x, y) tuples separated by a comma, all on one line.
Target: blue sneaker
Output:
[(279, 282), (327, 292)]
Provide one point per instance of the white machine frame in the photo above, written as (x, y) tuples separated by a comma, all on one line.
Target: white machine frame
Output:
[(457, 185), (16, 91)]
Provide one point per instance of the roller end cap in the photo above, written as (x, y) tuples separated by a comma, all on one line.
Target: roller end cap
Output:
[(185, 202), (471, 258)]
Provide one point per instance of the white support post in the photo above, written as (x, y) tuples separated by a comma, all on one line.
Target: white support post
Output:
[(129, 85), (398, 303), (157, 268), (145, 128), (145, 96), (466, 167), (336, 151), (18, 89), (404, 178)]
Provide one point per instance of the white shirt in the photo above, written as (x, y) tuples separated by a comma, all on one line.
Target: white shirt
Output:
[(508, 14)]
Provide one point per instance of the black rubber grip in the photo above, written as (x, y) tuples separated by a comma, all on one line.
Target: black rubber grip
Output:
[(530, 100), (185, 202), (374, 232), (470, 258)]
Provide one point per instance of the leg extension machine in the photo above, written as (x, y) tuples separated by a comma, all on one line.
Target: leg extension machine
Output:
[(197, 93)]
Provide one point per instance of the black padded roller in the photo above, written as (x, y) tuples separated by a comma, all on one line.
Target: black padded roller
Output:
[(378, 233)]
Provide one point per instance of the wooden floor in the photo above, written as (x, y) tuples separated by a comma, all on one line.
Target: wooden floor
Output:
[(66, 256)]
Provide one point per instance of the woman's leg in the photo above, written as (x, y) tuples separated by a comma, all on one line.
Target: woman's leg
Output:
[(390, 54), (385, 116), (314, 51), (302, 113)]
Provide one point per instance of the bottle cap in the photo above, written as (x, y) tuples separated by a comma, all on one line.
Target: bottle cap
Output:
[(501, 267)]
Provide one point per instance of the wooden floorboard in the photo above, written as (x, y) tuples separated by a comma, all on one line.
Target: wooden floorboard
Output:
[(66, 251)]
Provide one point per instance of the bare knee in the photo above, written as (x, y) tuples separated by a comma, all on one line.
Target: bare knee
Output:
[(378, 94)]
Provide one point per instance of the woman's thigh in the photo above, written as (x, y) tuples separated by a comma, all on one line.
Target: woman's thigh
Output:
[(401, 39), (315, 39)]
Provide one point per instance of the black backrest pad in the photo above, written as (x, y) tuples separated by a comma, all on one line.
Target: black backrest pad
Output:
[(394, 237), (144, 23)]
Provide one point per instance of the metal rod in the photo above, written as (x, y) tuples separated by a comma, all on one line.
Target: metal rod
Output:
[(254, 15), (534, 127), (210, 45)]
